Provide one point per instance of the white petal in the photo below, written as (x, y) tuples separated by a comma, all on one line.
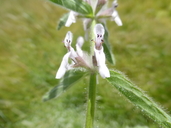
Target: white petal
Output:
[(80, 42), (104, 71), (99, 33), (79, 51), (100, 56), (116, 18), (93, 4), (114, 14), (118, 21), (63, 67), (71, 19), (68, 39), (73, 54), (99, 29), (97, 56), (115, 4)]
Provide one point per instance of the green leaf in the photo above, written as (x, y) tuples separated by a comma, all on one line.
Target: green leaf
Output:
[(62, 21), (139, 98), (66, 82), (78, 6), (107, 47)]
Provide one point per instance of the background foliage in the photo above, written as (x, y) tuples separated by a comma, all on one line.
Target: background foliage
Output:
[(31, 50)]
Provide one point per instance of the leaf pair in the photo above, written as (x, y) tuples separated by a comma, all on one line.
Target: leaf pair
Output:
[(125, 86)]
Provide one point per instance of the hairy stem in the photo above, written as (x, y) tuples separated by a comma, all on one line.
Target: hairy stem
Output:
[(91, 101), (92, 36)]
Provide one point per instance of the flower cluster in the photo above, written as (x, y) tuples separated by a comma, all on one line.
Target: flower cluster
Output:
[(79, 58), (101, 12)]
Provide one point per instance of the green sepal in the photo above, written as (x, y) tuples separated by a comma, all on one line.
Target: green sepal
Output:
[(70, 77), (62, 21), (78, 6), (139, 98)]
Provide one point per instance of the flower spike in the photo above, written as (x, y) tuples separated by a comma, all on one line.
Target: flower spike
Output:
[(98, 50), (82, 59)]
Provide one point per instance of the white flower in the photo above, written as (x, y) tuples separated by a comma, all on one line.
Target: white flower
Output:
[(115, 15), (63, 67), (64, 64), (98, 50), (77, 57), (112, 13)]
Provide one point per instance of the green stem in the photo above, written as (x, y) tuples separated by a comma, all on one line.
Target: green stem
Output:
[(92, 86), (91, 101), (92, 36)]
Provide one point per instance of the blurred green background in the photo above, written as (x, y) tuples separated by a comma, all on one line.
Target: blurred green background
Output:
[(31, 50)]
